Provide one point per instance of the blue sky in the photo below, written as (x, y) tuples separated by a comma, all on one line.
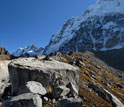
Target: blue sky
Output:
[(27, 22)]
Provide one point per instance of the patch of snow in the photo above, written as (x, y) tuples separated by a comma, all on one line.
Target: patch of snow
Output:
[(116, 29), (115, 47), (93, 40), (108, 25), (106, 6)]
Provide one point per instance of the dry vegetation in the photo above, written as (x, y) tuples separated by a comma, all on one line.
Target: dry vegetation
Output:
[(90, 73)]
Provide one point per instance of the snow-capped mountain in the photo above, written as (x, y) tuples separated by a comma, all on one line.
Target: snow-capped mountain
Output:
[(28, 51), (100, 28)]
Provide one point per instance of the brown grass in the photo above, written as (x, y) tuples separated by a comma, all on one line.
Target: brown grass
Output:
[(101, 75)]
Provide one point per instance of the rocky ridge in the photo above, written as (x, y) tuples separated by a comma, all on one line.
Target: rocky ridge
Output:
[(28, 51), (4, 54)]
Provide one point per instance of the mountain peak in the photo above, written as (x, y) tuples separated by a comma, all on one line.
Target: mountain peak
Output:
[(102, 7), (28, 51), (100, 28), (100, 1)]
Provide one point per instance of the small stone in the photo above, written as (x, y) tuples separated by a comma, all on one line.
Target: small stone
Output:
[(73, 90), (61, 91), (46, 99), (53, 101)]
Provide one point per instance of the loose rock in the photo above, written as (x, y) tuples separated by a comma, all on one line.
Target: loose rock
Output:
[(33, 87), (61, 91), (70, 102), (24, 100)]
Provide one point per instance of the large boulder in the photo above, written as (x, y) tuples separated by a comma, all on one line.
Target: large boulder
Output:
[(24, 100), (70, 102), (50, 73), (33, 87)]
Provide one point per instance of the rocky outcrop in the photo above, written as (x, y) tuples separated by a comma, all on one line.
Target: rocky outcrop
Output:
[(106, 95), (48, 73), (4, 54), (43, 80)]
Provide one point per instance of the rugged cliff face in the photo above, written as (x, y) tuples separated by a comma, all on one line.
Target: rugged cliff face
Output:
[(4, 54), (100, 28)]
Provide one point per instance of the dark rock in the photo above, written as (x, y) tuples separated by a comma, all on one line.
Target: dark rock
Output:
[(61, 91), (119, 86), (70, 102), (47, 58), (6, 93)]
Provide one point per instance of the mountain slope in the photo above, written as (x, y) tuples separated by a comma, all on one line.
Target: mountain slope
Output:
[(28, 51), (100, 28), (98, 87)]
